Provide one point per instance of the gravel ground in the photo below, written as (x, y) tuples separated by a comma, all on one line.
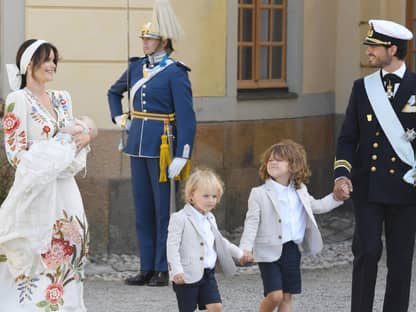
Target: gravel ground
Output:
[(326, 279), (324, 290)]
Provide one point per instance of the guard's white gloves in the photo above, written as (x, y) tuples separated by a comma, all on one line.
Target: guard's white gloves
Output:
[(118, 120), (176, 167)]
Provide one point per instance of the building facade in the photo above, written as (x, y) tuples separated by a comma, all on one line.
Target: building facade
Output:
[(262, 71)]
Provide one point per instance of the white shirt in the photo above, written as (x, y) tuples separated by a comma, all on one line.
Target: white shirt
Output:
[(210, 256), (292, 213), (399, 72)]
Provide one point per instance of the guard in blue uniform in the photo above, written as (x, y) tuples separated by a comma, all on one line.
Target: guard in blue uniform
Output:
[(375, 151), (161, 101)]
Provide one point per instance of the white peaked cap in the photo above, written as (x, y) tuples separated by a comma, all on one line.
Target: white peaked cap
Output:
[(391, 29)]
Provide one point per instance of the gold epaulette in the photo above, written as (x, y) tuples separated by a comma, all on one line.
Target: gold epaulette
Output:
[(342, 163), (153, 116)]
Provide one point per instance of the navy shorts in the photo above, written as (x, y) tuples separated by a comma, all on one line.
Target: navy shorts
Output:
[(201, 293), (283, 274)]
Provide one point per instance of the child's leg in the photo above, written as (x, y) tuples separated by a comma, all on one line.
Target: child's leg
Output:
[(272, 285), (214, 307), (271, 301), (186, 296), (286, 304), (209, 296)]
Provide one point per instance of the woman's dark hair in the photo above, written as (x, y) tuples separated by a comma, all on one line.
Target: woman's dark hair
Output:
[(40, 56)]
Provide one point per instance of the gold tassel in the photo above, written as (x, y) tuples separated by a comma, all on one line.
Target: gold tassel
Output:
[(164, 160), (184, 175)]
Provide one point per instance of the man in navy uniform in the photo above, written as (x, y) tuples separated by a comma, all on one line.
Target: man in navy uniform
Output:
[(161, 98), (375, 151)]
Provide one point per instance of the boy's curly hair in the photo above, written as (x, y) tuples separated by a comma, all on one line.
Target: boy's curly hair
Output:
[(295, 154)]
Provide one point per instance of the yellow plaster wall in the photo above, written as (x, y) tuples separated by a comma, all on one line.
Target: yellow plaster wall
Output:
[(91, 36), (318, 48), (347, 51)]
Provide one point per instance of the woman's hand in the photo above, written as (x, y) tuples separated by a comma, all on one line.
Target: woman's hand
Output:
[(81, 140)]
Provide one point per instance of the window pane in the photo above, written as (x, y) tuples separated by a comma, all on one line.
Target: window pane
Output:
[(246, 1), (264, 63), (246, 63), (247, 21), (277, 25), (277, 1), (277, 63), (264, 28), (265, 1)]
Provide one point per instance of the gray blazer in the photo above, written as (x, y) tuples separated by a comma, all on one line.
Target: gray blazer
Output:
[(185, 246), (262, 227)]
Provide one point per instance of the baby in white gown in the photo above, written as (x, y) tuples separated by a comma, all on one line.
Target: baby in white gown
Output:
[(25, 230)]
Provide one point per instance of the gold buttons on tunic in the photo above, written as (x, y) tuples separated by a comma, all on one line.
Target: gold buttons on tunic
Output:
[(373, 169), (393, 159), (391, 171), (375, 145), (377, 133), (374, 157)]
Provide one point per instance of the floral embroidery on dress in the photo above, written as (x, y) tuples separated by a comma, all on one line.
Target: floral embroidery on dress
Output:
[(14, 138), (58, 253), (60, 102), (37, 115), (10, 121), (64, 260), (25, 286), (46, 130)]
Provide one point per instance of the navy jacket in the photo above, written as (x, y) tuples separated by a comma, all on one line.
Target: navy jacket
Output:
[(167, 92), (375, 169)]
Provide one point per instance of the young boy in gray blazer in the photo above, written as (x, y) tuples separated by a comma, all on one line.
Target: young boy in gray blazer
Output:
[(194, 244), (279, 218)]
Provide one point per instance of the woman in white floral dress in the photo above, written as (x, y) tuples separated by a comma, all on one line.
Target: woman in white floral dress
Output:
[(44, 236)]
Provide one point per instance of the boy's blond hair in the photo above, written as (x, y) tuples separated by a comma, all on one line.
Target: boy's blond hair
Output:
[(206, 178)]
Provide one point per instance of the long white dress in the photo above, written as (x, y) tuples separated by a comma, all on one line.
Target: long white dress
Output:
[(43, 229)]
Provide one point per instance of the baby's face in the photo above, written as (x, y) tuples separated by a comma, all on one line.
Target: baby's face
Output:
[(205, 199)]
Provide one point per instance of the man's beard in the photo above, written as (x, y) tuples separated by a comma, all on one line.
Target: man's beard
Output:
[(381, 63)]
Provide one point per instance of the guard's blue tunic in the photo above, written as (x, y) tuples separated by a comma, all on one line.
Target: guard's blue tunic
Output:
[(169, 91)]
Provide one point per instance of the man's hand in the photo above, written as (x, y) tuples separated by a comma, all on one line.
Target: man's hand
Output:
[(342, 188)]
